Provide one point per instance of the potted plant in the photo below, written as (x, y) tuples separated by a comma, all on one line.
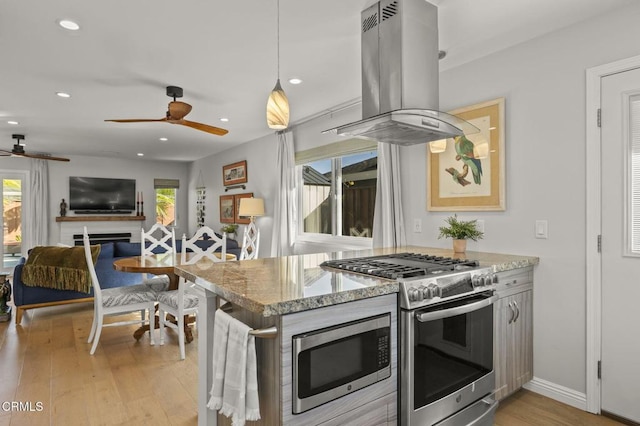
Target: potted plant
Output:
[(460, 231), (230, 229)]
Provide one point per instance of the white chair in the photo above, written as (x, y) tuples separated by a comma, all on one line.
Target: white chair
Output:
[(250, 242), (181, 302), (117, 301), (149, 243)]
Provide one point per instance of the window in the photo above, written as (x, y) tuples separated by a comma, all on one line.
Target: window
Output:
[(166, 201), (12, 194), (634, 204), (338, 191)]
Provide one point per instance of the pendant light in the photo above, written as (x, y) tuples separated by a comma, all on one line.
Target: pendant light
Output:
[(278, 104)]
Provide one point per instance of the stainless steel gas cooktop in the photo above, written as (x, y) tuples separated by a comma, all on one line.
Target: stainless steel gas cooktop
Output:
[(424, 279)]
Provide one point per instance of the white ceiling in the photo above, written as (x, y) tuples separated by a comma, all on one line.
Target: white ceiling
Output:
[(223, 54)]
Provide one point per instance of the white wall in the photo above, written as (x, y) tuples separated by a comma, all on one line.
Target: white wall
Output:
[(261, 157), (543, 82), (143, 171)]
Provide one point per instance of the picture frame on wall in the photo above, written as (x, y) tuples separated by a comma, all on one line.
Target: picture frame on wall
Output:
[(469, 173), (227, 209), (237, 198), (235, 173)]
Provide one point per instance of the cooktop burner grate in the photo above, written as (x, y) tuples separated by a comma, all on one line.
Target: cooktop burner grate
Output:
[(402, 265)]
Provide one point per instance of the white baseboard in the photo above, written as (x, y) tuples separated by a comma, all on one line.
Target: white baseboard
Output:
[(557, 392)]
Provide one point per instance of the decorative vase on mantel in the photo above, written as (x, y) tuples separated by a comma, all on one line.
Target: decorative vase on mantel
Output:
[(459, 246)]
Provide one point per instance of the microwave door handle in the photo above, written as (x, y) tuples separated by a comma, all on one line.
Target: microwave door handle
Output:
[(458, 310)]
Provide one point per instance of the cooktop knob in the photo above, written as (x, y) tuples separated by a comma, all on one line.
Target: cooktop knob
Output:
[(433, 290), (414, 295)]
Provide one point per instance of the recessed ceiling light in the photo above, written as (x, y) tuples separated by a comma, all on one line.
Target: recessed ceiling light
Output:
[(140, 154), (12, 122), (63, 94), (68, 24), (164, 139), (295, 81), (224, 119)]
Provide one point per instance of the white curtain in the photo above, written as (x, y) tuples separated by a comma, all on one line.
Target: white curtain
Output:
[(286, 206), (388, 222), (38, 218)]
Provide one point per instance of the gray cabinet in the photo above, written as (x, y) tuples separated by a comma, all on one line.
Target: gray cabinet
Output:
[(513, 337)]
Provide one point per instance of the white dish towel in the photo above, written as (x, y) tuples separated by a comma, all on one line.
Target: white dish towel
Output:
[(234, 391)]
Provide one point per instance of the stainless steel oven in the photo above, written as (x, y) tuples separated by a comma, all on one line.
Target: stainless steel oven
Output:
[(447, 362), (335, 361), (446, 337)]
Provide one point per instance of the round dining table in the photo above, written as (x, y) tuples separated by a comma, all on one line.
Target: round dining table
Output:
[(158, 264)]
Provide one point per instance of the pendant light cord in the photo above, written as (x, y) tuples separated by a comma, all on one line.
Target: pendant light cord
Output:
[(278, 35)]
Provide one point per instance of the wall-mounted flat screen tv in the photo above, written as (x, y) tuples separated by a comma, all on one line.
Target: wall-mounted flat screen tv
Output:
[(92, 194)]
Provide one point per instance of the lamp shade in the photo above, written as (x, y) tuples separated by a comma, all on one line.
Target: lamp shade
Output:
[(278, 108), (251, 207)]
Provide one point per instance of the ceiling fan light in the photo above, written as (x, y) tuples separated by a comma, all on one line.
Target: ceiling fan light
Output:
[(277, 108)]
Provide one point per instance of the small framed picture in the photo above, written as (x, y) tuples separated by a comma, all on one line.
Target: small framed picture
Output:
[(227, 209), (234, 173), (237, 198)]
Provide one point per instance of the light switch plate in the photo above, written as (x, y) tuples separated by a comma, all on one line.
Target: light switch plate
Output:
[(542, 229), (417, 225)]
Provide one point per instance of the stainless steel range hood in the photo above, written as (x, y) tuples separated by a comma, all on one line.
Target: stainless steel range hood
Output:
[(400, 96)]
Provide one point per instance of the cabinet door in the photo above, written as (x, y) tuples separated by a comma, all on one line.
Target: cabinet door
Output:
[(513, 345), (520, 336), (503, 315)]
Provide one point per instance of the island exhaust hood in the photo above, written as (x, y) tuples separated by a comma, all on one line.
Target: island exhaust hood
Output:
[(399, 42)]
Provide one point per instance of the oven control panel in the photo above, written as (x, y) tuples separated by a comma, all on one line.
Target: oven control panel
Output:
[(420, 292)]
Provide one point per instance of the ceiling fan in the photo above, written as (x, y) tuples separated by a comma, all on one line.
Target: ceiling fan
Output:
[(176, 113), (18, 151)]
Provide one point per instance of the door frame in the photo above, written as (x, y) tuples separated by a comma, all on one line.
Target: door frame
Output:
[(594, 77)]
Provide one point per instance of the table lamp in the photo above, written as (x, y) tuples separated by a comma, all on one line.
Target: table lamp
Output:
[(252, 208)]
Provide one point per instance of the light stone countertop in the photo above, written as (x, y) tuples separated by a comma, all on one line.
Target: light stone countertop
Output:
[(283, 285)]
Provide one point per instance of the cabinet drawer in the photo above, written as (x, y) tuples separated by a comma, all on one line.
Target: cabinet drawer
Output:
[(514, 281)]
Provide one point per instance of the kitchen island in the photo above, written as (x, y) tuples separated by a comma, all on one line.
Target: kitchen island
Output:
[(273, 291)]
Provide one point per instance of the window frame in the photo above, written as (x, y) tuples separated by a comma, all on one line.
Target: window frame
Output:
[(335, 152)]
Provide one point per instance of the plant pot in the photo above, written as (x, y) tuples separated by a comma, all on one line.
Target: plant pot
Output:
[(459, 246)]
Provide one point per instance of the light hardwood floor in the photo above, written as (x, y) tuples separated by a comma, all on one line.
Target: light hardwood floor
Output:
[(46, 360)]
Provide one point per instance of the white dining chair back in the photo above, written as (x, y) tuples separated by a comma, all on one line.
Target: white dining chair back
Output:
[(182, 301), (250, 242), (192, 252), (138, 298), (158, 236)]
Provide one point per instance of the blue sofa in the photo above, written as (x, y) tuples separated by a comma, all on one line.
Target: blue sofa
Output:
[(25, 297)]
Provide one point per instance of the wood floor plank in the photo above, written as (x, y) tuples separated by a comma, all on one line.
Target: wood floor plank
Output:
[(46, 360)]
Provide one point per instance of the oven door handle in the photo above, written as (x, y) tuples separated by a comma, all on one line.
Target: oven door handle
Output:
[(458, 310)]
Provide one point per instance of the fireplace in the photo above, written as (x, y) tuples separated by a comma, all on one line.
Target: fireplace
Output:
[(106, 237)]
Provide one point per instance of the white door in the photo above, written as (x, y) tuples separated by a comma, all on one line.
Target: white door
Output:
[(620, 267)]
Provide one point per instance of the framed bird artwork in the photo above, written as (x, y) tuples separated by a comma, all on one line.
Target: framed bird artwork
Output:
[(467, 173)]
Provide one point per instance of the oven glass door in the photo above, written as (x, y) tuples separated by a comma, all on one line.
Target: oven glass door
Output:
[(451, 350)]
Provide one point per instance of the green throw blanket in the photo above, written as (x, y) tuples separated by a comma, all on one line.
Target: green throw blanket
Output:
[(61, 268)]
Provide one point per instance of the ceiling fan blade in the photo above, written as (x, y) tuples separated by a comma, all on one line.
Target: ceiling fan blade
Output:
[(5, 153), (138, 120), (42, 157), (204, 127)]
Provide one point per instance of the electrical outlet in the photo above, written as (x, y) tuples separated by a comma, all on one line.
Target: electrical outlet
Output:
[(417, 225)]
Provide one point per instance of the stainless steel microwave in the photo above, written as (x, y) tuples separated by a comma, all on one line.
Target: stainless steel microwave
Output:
[(335, 361)]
